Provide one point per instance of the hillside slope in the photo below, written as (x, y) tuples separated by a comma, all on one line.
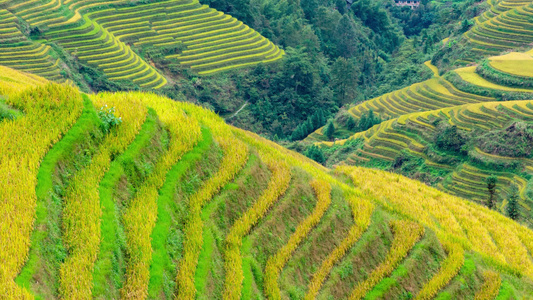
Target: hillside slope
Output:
[(492, 144), (132, 195), (114, 36), (506, 25), (476, 101)]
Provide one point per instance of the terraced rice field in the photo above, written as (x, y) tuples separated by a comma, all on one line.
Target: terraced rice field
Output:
[(468, 74), (412, 130), (515, 63), (504, 27), (435, 93), (99, 48), (173, 203), (21, 53), (108, 35), (212, 41), (412, 133), (429, 95)]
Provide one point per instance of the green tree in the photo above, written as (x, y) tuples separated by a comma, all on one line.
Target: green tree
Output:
[(465, 25), (363, 123), (316, 154), (513, 207), (297, 134), (450, 139), (341, 6), (318, 119), (347, 37), (329, 131), (344, 80), (308, 125), (491, 187), (372, 119), (298, 71), (240, 9), (321, 117), (350, 124), (368, 120), (310, 8)]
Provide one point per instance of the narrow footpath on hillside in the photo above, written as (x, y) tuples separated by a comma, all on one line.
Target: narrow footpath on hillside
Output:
[(237, 112)]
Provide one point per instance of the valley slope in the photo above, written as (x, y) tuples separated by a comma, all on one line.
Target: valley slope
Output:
[(460, 127), (133, 195)]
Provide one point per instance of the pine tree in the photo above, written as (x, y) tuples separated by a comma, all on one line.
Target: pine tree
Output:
[(491, 186), (350, 124), (321, 118), (297, 134), (329, 131), (315, 121), (371, 117), (513, 206), (308, 127), (318, 119)]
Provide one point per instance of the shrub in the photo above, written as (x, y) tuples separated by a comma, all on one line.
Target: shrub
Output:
[(316, 154), (450, 139), (109, 120), (8, 113)]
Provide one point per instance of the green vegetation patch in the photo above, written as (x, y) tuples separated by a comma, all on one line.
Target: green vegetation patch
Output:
[(182, 181), (235, 199), (417, 269), (7, 112), (69, 155), (109, 267), (161, 259)]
